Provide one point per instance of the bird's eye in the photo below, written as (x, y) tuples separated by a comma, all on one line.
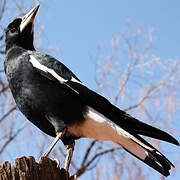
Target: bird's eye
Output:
[(13, 29)]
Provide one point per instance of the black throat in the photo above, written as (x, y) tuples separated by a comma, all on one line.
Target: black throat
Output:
[(25, 43)]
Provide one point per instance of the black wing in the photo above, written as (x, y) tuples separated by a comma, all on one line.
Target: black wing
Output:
[(121, 118), (55, 70)]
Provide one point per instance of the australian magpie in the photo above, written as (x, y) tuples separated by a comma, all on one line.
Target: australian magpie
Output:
[(58, 103)]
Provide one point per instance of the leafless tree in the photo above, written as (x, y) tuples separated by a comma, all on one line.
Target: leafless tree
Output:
[(131, 75)]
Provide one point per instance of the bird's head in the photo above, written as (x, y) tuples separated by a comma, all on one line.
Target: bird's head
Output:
[(20, 31)]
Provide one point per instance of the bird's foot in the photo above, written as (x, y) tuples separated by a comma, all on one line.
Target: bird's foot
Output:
[(57, 161), (76, 177), (51, 159)]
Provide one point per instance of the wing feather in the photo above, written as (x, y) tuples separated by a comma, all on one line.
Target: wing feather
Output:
[(53, 69)]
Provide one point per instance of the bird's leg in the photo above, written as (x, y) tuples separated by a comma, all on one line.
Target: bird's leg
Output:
[(69, 153), (59, 135)]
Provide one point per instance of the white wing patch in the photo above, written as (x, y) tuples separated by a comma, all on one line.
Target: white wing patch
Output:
[(41, 67), (75, 80)]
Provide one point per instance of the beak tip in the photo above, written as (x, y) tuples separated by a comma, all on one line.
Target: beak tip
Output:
[(38, 5), (29, 17)]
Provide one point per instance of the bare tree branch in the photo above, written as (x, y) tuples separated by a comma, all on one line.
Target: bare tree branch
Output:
[(4, 88), (12, 137), (2, 8), (85, 167), (88, 150), (7, 114)]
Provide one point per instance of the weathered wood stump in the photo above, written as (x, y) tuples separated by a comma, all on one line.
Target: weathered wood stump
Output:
[(26, 168)]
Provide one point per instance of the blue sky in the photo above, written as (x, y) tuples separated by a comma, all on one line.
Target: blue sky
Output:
[(77, 27)]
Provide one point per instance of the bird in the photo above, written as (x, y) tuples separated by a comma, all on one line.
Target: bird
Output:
[(55, 100)]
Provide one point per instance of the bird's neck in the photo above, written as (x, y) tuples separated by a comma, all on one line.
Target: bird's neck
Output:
[(25, 43), (14, 51), (14, 45), (12, 55), (10, 45)]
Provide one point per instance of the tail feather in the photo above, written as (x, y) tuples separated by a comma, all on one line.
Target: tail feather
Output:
[(151, 157), (150, 131), (133, 125), (153, 163), (159, 155), (137, 127)]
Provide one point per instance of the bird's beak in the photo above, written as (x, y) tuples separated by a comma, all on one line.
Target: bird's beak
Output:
[(29, 17)]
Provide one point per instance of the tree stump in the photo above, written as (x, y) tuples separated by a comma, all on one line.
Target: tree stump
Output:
[(26, 168)]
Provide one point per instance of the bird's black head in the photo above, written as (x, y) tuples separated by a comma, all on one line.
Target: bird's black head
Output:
[(20, 31)]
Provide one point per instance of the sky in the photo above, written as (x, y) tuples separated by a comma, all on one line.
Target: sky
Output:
[(77, 27), (82, 25)]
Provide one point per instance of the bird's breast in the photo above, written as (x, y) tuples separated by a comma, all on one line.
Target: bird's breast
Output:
[(36, 94)]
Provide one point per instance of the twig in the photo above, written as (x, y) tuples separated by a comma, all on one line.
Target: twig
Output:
[(5, 87), (88, 152), (3, 5), (12, 137), (149, 93), (85, 167), (7, 114)]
